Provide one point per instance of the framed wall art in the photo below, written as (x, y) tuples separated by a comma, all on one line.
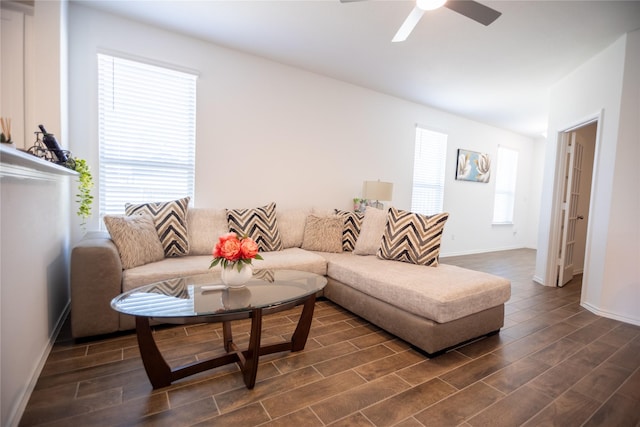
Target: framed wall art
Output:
[(473, 166)]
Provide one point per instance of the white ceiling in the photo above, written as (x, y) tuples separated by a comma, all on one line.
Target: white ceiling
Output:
[(500, 74)]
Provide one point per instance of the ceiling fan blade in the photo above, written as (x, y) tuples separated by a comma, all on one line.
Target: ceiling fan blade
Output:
[(474, 10), (408, 25)]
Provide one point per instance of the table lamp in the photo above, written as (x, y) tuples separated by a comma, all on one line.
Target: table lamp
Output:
[(376, 190)]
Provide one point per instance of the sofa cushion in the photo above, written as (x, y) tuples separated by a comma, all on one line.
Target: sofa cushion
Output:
[(371, 232), (171, 223), (169, 268), (204, 227), (442, 293), (260, 224), (323, 233), (291, 224), (412, 237), (351, 228), (135, 237)]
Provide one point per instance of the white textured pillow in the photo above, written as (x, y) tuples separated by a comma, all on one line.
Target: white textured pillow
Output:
[(291, 224), (323, 233), (373, 226), (204, 226), (136, 238)]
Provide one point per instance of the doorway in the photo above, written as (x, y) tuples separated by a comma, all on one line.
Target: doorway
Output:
[(575, 177)]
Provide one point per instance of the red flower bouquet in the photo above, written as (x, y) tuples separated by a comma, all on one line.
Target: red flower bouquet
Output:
[(231, 251)]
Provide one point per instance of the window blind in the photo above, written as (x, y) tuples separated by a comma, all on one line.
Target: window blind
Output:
[(505, 193), (429, 166), (146, 132)]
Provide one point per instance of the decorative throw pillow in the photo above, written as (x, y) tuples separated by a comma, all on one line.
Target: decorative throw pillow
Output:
[(351, 229), (371, 232), (291, 224), (170, 219), (258, 223), (136, 238), (323, 233), (411, 237)]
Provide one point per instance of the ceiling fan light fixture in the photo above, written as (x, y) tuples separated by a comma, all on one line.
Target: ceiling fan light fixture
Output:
[(430, 4)]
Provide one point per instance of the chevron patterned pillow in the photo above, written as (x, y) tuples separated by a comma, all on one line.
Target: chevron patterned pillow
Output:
[(352, 226), (258, 223), (413, 238), (170, 219)]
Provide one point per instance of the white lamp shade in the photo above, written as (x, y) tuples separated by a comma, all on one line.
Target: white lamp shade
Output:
[(376, 190)]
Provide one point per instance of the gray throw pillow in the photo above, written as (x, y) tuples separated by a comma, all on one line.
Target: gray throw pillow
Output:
[(136, 238)]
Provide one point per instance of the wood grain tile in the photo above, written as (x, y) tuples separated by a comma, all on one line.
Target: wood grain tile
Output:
[(397, 408), (311, 393), (619, 410), (474, 371), (353, 360), (239, 396), (344, 404), (602, 382), (304, 417), (353, 374), (460, 406), (431, 368), (515, 375), (570, 409), (513, 410), (387, 365)]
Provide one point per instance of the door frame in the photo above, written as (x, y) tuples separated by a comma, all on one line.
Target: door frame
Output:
[(558, 186)]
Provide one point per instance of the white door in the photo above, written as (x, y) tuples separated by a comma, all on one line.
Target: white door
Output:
[(571, 193)]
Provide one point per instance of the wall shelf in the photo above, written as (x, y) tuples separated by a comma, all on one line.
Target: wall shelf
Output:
[(19, 164)]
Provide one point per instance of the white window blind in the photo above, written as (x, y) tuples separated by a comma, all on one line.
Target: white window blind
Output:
[(146, 133), (505, 197), (429, 166)]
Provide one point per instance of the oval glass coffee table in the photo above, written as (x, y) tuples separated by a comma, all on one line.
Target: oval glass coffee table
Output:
[(204, 299)]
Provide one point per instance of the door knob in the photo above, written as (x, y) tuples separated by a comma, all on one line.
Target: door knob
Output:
[(580, 217)]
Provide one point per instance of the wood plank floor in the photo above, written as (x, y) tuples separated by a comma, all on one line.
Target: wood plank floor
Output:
[(553, 363)]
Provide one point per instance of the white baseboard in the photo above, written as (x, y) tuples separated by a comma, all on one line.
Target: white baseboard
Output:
[(481, 251), (609, 315), (18, 409), (539, 280)]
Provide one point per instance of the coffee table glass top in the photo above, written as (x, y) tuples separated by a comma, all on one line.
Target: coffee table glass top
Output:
[(205, 294)]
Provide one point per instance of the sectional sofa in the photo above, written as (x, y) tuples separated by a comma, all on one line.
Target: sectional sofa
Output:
[(382, 265)]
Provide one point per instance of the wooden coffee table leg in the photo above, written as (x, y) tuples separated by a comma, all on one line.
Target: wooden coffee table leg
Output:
[(227, 336), (158, 370), (250, 368), (299, 338)]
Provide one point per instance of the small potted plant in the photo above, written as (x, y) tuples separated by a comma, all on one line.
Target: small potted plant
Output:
[(85, 185)]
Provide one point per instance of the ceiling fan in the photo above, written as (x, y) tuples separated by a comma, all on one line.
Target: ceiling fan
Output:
[(471, 9)]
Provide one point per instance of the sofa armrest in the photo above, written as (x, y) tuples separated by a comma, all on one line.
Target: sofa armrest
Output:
[(96, 278)]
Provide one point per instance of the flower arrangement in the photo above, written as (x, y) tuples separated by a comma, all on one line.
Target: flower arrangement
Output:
[(231, 251)]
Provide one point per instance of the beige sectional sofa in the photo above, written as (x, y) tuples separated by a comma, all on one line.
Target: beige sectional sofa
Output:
[(431, 307)]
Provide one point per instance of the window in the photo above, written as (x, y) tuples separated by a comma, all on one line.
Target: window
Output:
[(506, 173), (428, 172), (146, 132)]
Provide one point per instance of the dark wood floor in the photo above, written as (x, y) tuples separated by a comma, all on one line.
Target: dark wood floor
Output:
[(553, 363)]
